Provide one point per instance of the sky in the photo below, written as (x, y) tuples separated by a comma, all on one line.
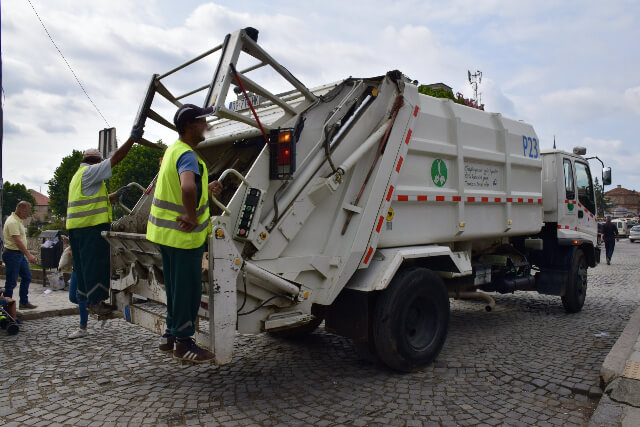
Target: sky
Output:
[(570, 68)]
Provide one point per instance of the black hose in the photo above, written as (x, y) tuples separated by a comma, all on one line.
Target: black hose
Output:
[(264, 303)]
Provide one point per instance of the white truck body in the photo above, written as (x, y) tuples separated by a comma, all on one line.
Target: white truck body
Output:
[(416, 193)]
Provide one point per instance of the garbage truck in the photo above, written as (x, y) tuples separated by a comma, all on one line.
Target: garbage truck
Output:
[(362, 204)]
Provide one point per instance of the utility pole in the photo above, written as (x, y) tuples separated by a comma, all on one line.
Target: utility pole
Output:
[(474, 80)]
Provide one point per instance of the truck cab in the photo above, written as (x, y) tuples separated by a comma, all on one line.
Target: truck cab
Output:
[(569, 199)]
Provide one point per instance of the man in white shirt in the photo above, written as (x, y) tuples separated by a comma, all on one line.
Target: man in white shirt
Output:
[(16, 257)]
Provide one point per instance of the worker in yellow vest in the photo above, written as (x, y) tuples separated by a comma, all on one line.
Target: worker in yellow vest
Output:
[(89, 214), (179, 224)]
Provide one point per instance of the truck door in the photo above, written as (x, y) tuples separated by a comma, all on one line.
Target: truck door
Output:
[(567, 205), (586, 200)]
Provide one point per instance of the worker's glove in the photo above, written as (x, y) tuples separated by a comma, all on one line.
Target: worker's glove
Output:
[(137, 132), (122, 192)]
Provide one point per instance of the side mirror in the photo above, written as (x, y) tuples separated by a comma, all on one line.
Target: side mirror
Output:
[(606, 176)]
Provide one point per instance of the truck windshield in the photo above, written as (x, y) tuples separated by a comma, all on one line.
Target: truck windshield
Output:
[(585, 187)]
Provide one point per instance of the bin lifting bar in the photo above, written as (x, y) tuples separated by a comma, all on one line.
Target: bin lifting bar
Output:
[(235, 74)]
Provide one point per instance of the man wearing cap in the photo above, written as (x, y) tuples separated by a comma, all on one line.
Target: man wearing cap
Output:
[(89, 214), (179, 224)]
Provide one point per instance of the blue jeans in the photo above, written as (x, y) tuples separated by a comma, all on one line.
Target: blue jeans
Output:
[(16, 264), (609, 245), (82, 305)]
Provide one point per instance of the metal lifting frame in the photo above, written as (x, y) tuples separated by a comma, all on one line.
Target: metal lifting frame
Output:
[(233, 45)]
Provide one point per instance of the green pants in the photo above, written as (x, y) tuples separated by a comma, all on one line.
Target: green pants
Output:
[(91, 262), (182, 271)]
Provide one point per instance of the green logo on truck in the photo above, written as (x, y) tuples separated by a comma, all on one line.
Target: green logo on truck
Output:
[(439, 172)]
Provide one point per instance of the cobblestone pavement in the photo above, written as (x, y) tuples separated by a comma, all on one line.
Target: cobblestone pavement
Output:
[(526, 363)]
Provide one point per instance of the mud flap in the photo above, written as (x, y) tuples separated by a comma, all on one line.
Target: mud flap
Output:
[(551, 282)]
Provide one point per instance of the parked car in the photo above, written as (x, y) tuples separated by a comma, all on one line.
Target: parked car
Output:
[(634, 233), (623, 230)]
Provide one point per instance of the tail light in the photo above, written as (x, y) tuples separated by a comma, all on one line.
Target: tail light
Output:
[(282, 149)]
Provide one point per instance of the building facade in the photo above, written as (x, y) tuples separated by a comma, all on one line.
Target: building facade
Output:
[(626, 199), (41, 210)]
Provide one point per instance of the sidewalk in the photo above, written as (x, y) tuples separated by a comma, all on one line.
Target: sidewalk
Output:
[(620, 375), (50, 303)]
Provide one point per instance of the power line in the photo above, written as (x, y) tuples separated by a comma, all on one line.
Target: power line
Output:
[(65, 61)]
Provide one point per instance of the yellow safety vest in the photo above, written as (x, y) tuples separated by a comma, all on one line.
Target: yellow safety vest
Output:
[(86, 211), (162, 227)]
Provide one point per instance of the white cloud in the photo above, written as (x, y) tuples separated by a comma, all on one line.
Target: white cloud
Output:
[(632, 97), (567, 68), (584, 104), (622, 159)]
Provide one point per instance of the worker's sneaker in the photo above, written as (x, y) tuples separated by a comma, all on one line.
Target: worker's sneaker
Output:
[(608, 261), (100, 308), (78, 333), (166, 343), (27, 306), (189, 351)]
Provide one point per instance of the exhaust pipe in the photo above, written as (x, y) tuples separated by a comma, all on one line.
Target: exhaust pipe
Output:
[(491, 304)]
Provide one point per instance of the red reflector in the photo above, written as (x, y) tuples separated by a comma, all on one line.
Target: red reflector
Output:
[(284, 154), (366, 259)]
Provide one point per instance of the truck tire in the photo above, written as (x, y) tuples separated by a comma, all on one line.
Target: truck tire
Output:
[(576, 291), (411, 319)]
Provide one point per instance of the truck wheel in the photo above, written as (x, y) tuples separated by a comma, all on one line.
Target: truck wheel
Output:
[(411, 319), (576, 291)]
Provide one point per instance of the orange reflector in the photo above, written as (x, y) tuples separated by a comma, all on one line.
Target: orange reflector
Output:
[(284, 137), (575, 242)]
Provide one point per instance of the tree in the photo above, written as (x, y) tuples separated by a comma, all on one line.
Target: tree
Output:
[(604, 204), (141, 165), (59, 184), (11, 195)]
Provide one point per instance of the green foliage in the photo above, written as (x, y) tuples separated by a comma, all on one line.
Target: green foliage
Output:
[(33, 229), (604, 203), (56, 224), (59, 184), (439, 93), (141, 165), (36, 227), (11, 195)]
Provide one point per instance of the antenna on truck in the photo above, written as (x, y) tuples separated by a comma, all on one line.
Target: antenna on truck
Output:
[(474, 80)]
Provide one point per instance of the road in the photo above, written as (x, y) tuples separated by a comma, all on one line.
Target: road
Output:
[(526, 363)]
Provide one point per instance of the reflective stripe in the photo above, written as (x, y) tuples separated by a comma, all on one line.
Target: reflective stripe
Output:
[(87, 213), (87, 201), (166, 205), (176, 208), (167, 223), (98, 285), (186, 325)]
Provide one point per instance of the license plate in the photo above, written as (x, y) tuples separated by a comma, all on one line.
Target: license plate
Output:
[(243, 104)]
